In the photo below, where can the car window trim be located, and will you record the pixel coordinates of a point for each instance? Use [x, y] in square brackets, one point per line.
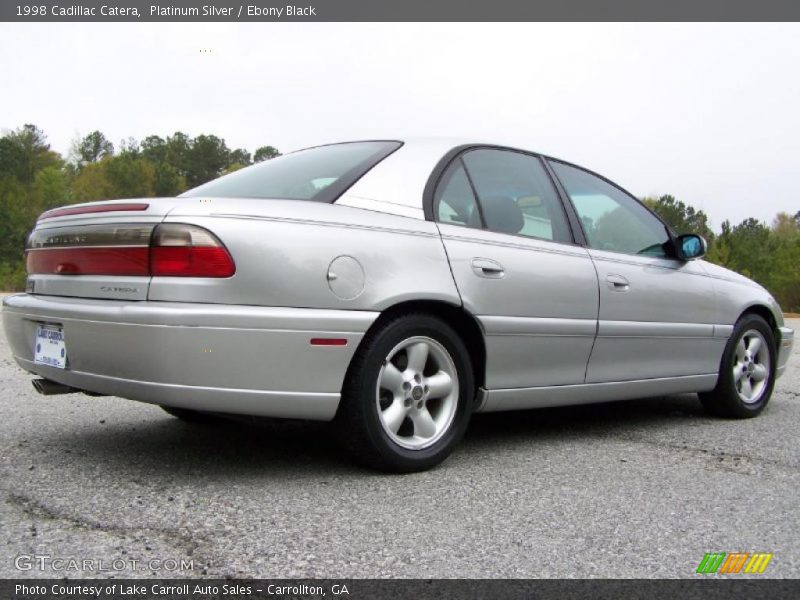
[478, 204]
[572, 215]
[458, 152]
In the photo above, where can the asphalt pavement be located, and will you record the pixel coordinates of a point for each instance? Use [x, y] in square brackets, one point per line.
[629, 489]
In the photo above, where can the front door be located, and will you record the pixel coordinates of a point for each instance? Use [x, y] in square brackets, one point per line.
[656, 312]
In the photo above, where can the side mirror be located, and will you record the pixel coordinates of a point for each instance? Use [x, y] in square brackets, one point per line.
[690, 246]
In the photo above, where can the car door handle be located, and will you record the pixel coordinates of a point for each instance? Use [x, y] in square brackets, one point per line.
[484, 267]
[617, 283]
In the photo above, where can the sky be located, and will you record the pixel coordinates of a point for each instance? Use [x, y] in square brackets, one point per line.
[709, 113]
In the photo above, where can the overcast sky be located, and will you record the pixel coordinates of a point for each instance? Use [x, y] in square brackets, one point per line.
[706, 112]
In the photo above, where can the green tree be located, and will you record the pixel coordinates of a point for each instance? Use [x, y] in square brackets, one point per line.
[92, 148]
[92, 183]
[208, 158]
[719, 249]
[123, 176]
[10, 158]
[750, 245]
[681, 217]
[24, 151]
[130, 176]
[154, 148]
[233, 167]
[14, 218]
[265, 153]
[784, 277]
[786, 227]
[15, 222]
[239, 157]
[31, 178]
[50, 189]
[176, 153]
[168, 182]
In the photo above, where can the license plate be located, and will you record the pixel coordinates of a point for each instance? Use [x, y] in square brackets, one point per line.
[49, 347]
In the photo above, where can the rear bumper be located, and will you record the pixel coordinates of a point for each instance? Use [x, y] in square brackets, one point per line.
[784, 349]
[234, 359]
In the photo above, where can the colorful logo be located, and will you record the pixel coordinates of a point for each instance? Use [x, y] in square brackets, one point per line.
[734, 562]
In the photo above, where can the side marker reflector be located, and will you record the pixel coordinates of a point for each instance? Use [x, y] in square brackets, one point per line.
[329, 341]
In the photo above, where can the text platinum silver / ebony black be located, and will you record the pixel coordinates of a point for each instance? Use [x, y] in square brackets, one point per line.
[393, 288]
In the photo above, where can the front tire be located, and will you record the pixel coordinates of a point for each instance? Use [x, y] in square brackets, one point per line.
[747, 371]
[408, 395]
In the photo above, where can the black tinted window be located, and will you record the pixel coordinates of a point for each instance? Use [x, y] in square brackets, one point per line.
[321, 173]
[516, 195]
[612, 219]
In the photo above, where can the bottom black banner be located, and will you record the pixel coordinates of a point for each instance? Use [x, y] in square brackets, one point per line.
[358, 589]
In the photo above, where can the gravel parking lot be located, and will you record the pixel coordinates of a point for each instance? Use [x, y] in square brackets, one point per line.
[629, 489]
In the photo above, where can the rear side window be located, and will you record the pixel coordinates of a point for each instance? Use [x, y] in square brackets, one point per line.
[321, 174]
[454, 200]
[516, 195]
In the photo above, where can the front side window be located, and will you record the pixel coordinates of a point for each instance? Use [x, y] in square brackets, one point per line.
[612, 220]
[321, 174]
[516, 195]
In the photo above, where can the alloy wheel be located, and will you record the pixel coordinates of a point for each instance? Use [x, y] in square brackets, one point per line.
[417, 392]
[751, 367]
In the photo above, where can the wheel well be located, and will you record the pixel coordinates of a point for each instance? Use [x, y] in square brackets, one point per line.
[464, 324]
[766, 314]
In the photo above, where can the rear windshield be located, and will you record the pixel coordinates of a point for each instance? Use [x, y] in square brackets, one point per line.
[321, 174]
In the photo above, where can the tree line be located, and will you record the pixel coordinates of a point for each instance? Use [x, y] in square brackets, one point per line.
[34, 178]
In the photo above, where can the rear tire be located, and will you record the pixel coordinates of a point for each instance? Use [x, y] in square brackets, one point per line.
[747, 371]
[190, 416]
[408, 395]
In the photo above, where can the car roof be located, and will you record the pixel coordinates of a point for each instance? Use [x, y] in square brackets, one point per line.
[397, 184]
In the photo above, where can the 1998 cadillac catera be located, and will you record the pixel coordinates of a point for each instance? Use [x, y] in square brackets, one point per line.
[393, 288]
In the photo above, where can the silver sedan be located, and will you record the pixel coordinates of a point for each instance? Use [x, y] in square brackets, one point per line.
[394, 288]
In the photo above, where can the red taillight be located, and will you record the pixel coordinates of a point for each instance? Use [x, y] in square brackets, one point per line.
[168, 250]
[89, 261]
[188, 251]
[120, 249]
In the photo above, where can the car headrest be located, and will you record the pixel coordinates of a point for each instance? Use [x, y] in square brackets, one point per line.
[503, 214]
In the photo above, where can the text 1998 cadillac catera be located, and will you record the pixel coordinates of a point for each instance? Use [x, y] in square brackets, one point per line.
[393, 288]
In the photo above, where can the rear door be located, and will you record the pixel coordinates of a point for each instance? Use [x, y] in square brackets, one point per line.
[656, 312]
[516, 267]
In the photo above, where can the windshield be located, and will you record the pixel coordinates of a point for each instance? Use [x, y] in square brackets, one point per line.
[321, 174]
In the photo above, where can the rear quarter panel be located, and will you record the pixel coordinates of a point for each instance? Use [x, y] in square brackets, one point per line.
[283, 251]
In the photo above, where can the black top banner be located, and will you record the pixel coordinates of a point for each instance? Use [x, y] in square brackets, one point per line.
[399, 10]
